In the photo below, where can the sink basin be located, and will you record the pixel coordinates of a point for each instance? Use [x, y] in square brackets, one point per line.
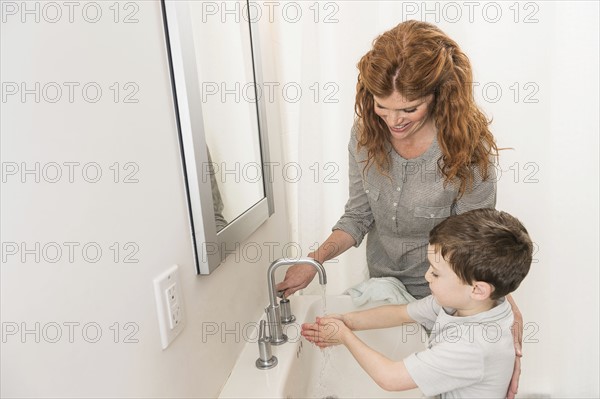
[306, 371]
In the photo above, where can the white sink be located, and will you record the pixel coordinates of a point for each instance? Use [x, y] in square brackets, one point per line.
[305, 371]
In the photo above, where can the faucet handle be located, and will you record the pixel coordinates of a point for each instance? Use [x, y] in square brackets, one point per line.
[280, 294]
[265, 360]
[286, 312]
[262, 331]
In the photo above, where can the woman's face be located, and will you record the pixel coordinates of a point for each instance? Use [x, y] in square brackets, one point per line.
[405, 119]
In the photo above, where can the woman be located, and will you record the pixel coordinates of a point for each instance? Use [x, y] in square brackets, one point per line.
[420, 151]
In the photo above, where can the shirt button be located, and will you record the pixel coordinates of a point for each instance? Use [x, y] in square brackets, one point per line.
[432, 215]
[397, 188]
[395, 204]
[393, 217]
[367, 191]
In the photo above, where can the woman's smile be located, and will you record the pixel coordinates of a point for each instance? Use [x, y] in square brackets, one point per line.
[403, 118]
[400, 128]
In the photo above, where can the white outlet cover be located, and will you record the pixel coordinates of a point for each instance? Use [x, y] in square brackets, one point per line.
[161, 284]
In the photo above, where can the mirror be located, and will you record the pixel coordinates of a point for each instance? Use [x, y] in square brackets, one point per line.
[216, 76]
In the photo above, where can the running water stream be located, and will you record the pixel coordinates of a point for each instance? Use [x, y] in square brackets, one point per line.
[326, 352]
[324, 298]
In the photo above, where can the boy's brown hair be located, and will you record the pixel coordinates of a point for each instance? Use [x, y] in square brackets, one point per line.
[485, 245]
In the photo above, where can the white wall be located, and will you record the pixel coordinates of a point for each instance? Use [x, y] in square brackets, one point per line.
[555, 143]
[150, 213]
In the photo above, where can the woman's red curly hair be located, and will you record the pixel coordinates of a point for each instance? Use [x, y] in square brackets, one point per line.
[417, 59]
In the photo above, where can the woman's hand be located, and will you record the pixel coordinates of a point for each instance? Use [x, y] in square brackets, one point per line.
[326, 331]
[299, 276]
[296, 278]
[517, 332]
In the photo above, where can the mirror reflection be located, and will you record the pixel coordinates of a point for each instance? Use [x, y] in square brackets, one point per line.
[229, 112]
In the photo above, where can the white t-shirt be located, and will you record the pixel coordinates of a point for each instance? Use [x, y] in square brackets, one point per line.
[466, 357]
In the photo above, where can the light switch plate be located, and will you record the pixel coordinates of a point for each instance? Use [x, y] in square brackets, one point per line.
[169, 305]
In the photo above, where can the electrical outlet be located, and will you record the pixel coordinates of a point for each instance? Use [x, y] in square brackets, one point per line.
[173, 306]
[169, 305]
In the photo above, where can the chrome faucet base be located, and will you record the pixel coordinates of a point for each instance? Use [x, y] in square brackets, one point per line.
[281, 340]
[265, 360]
[266, 364]
[276, 335]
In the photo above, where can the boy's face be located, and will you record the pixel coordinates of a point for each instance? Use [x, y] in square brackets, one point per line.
[447, 289]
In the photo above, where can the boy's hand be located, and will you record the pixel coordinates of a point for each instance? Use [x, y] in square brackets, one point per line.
[326, 331]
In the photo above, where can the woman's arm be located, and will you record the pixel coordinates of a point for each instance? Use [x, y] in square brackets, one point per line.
[482, 194]
[299, 276]
[517, 331]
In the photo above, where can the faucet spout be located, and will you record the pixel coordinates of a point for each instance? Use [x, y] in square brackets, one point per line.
[277, 336]
[287, 262]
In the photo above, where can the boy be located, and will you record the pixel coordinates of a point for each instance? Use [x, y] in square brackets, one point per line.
[476, 259]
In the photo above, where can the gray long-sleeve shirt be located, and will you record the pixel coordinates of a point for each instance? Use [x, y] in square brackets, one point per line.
[398, 213]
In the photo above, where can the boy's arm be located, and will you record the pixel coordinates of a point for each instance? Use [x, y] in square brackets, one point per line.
[326, 334]
[388, 374]
[380, 317]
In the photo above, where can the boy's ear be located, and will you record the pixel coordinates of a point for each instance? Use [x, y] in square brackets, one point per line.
[482, 290]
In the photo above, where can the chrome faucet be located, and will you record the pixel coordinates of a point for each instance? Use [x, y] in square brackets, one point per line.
[277, 337]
